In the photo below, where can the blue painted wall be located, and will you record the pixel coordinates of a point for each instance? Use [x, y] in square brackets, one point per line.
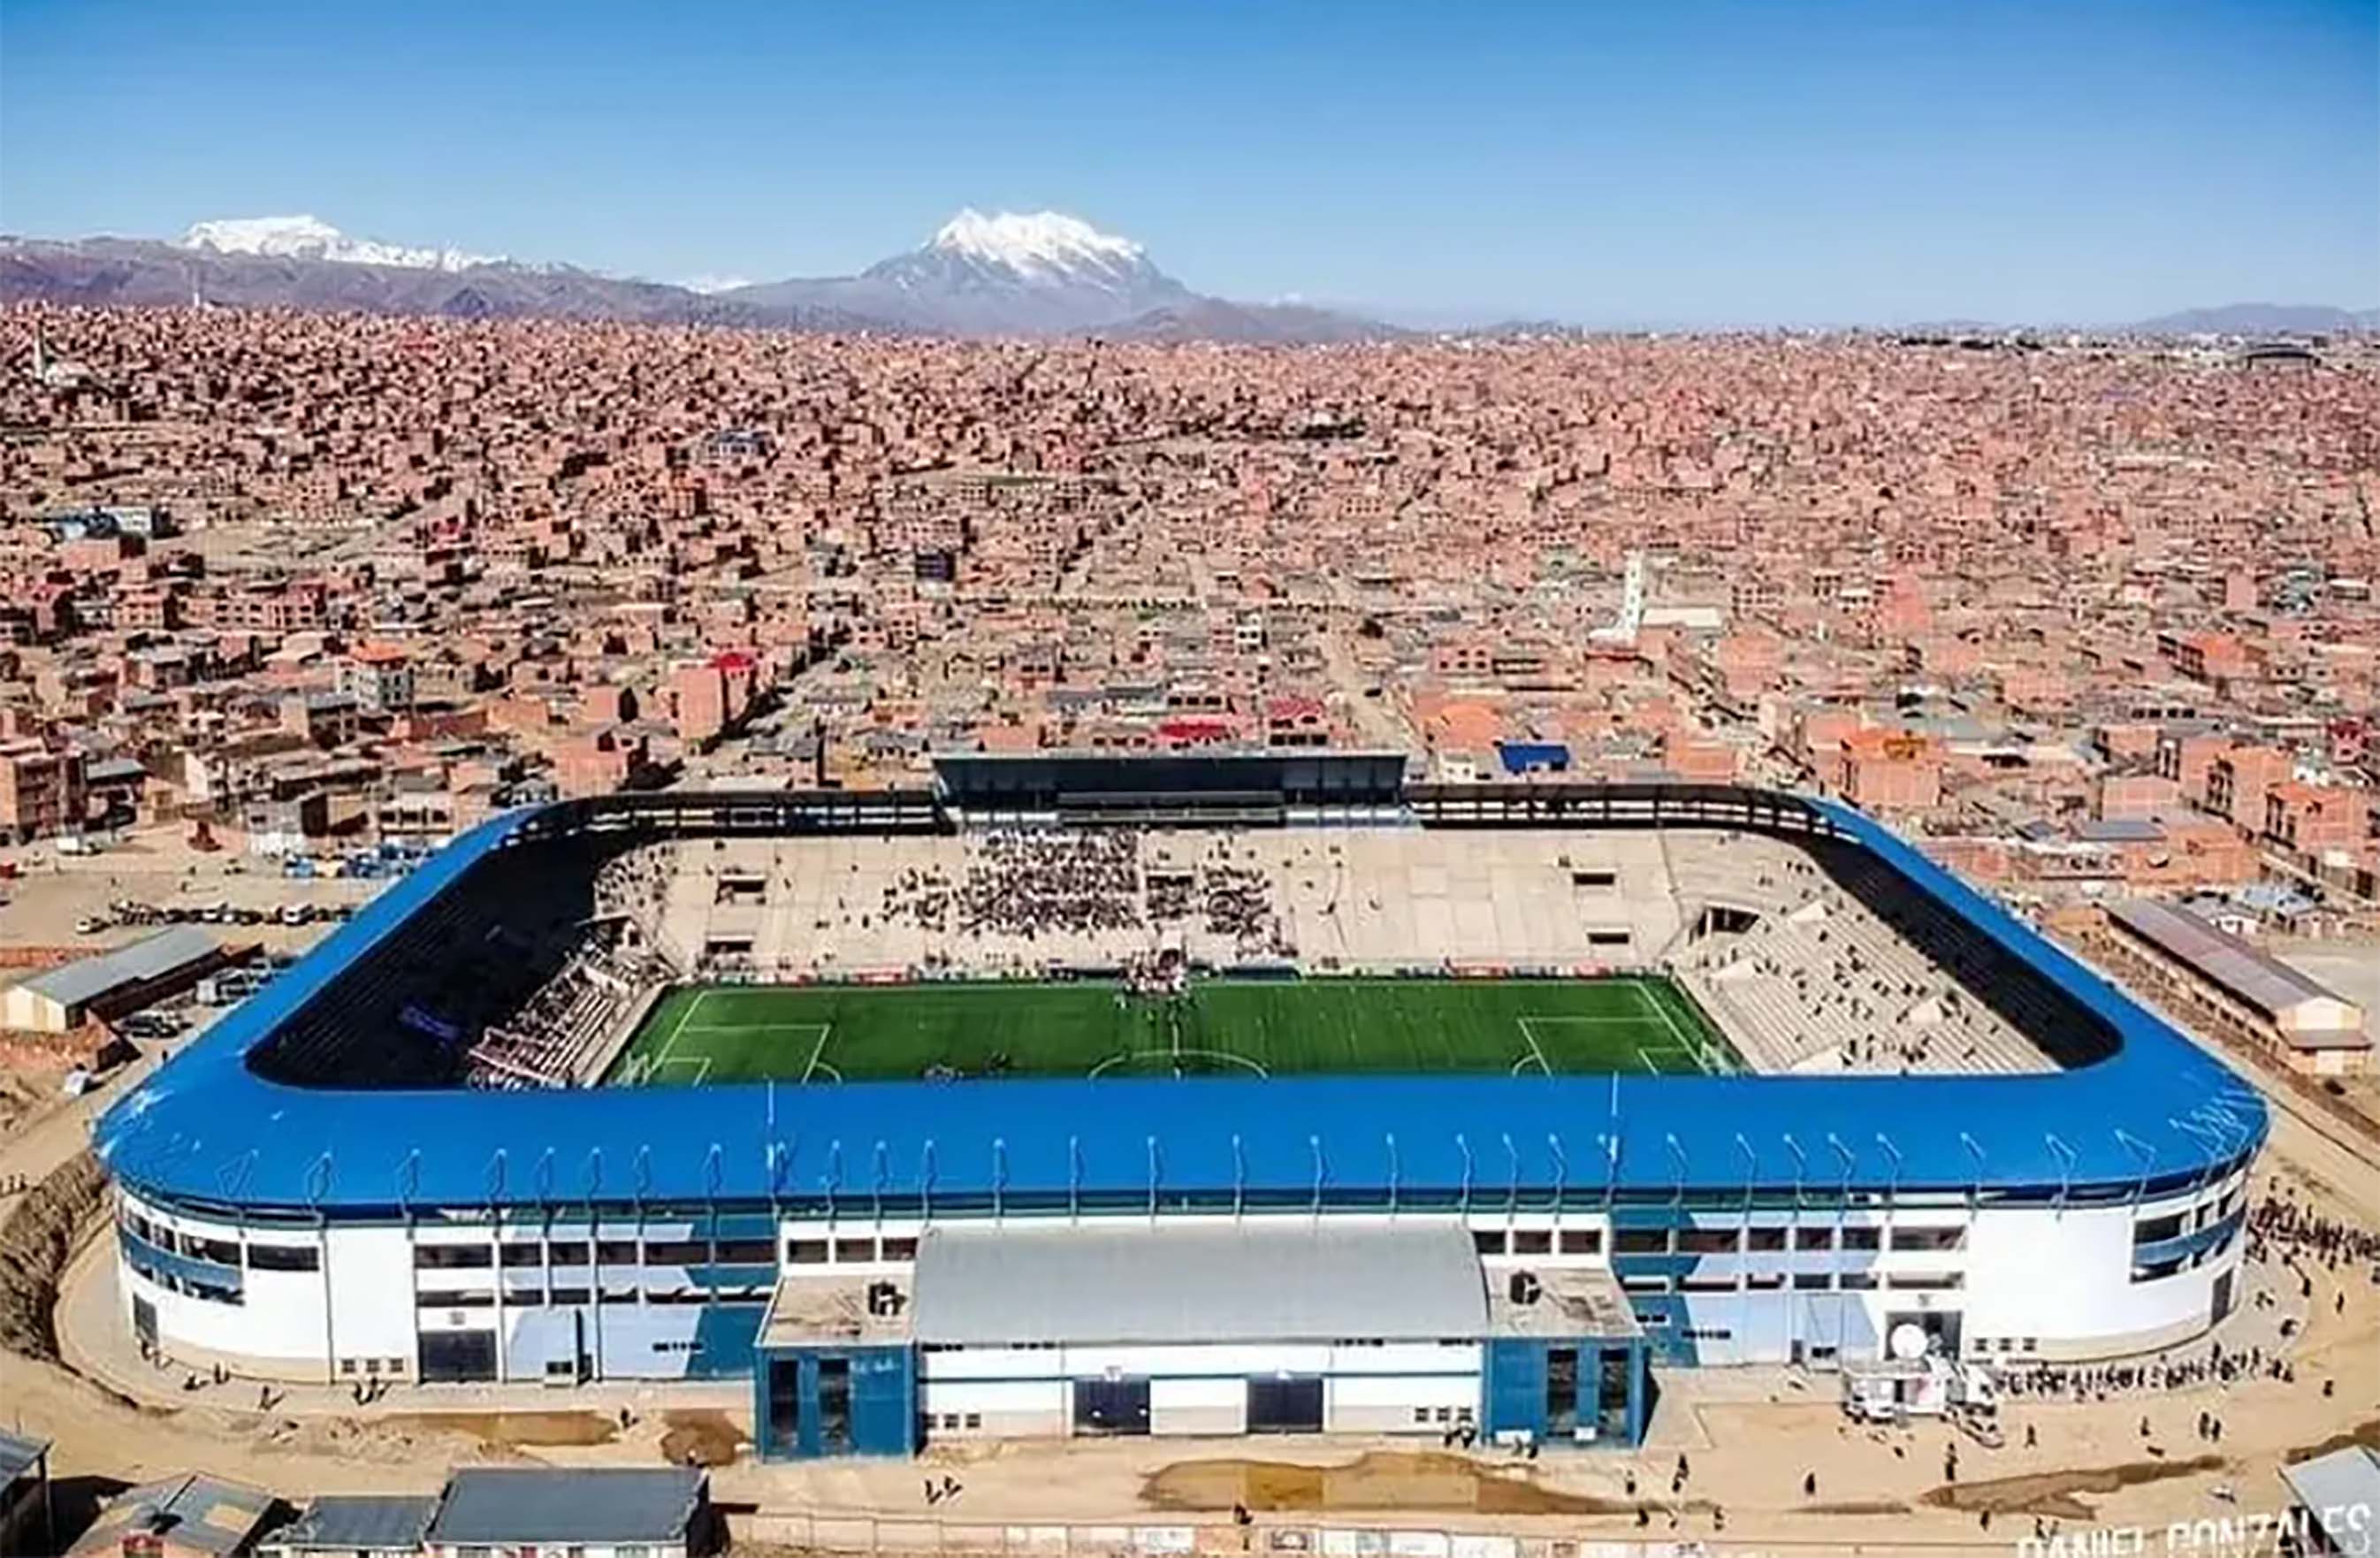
[883, 1402]
[1513, 1386]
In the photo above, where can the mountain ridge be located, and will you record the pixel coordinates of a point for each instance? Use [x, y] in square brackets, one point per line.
[1039, 274]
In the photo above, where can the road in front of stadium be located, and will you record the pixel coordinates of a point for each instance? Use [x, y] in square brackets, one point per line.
[1751, 1437]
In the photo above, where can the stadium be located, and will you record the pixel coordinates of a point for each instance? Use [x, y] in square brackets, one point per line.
[1082, 1094]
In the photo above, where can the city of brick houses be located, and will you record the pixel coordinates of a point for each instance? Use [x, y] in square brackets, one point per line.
[2080, 618]
[293, 600]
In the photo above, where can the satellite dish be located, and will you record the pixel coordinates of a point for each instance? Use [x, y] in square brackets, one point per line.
[1907, 1342]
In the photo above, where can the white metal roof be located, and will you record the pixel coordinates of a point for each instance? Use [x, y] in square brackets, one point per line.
[1272, 1279]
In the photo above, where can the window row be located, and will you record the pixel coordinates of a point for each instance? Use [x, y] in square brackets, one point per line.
[1538, 1241]
[606, 1253]
[1801, 1282]
[224, 1252]
[851, 1251]
[188, 1286]
[567, 1297]
[1770, 1240]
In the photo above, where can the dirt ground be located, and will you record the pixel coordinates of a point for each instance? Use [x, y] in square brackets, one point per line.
[51, 892]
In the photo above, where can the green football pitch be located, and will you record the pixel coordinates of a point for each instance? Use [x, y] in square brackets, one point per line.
[1253, 1027]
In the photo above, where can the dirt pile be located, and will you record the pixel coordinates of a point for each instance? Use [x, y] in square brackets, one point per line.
[38, 1237]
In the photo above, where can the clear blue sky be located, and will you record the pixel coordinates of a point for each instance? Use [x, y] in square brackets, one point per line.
[1653, 160]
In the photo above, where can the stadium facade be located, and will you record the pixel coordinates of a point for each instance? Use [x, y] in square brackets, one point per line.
[891, 1262]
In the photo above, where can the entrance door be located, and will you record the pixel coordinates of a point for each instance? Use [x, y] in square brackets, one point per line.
[782, 1433]
[1104, 1407]
[1561, 1392]
[834, 1406]
[457, 1356]
[1292, 1405]
[144, 1322]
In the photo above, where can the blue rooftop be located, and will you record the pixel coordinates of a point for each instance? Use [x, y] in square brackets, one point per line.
[208, 1129]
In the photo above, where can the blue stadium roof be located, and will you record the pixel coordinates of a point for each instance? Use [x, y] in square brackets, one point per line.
[208, 1129]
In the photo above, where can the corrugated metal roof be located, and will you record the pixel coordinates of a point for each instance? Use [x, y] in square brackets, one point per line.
[206, 1126]
[17, 1455]
[489, 1507]
[362, 1522]
[1259, 1282]
[78, 983]
[198, 1512]
[2273, 987]
[2340, 1490]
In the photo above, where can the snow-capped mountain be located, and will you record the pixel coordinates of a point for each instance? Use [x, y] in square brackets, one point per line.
[310, 238]
[1037, 273]
[1034, 273]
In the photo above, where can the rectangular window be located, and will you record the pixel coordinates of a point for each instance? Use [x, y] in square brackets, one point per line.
[677, 1252]
[1859, 1282]
[1706, 1241]
[615, 1252]
[750, 1252]
[1641, 1241]
[567, 1252]
[1862, 1238]
[2156, 1230]
[1764, 1281]
[1644, 1285]
[1764, 1240]
[1927, 1282]
[1582, 1241]
[452, 1257]
[805, 1252]
[1932, 1239]
[1814, 1238]
[221, 1251]
[570, 1296]
[284, 1258]
[1487, 1241]
[854, 1252]
[1706, 1284]
[455, 1299]
[516, 1256]
[1533, 1241]
[1812, 1282]
[900, 1248]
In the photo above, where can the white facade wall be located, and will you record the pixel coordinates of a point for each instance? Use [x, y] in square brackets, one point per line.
[2030, 1283]
[1191, 1407]
[1400, 1403]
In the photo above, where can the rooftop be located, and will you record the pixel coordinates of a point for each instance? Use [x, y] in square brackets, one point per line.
[490, 1507]
[361, 1522]
[80, 982]
[2272, 987]
[1226, 1282]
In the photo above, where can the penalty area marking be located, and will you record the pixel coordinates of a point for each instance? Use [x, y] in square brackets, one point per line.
[658, 1071]
[1537, 1055]
[817, 1049]
[1174, 1057]
[1688, 1047]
